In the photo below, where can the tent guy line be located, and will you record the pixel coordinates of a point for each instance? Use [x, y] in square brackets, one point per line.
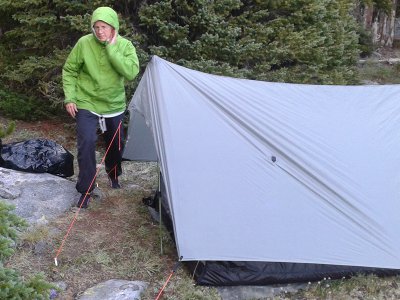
[118, 131]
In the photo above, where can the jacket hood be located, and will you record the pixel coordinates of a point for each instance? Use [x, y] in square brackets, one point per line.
[105, 14]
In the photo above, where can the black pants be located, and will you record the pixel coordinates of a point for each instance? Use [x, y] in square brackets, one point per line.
[86, 130]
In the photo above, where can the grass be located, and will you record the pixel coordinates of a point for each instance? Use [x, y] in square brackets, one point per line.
[34, 235]
[358, 287]
[379, 73]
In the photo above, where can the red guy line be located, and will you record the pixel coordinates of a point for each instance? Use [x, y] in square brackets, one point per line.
[87, 193]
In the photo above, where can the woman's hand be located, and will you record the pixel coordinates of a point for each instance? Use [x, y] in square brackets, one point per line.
[71, 109]
[113, 38]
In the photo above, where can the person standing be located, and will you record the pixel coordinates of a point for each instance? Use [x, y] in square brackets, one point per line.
[93, 81]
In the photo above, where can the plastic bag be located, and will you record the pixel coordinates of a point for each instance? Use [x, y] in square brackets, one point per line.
[38, 156]
[1, 158]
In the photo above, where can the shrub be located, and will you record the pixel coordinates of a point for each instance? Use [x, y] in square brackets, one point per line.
[22, 107]
[304, 41]
[12, 286]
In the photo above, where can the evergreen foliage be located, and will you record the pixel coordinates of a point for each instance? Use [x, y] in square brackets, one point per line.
[9, 223]
[21, 107]
[307, 41]
[37, 44]
[6, 131]
[12, 286]
[310, 41]
[37, 37]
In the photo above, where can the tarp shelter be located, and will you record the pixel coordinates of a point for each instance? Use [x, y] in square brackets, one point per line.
[286, 174]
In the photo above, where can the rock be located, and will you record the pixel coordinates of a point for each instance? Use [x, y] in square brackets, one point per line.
[97, 195]
[61, 285]
[38, 198]
[115, 289]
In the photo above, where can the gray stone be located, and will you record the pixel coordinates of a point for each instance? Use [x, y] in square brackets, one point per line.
[61, 285]
[38, 198]
[115, 289]
[97, 195]
[9, 193]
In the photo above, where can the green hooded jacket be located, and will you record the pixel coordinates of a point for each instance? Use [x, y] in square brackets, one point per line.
[94, 72]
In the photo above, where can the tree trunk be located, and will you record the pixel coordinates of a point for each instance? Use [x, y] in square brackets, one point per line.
[382, 26]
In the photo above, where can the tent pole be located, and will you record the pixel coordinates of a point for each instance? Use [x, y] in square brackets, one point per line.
[159, 210]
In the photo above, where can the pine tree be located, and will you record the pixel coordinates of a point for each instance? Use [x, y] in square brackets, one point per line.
[313, 41]
[12, 286]
[37, 38]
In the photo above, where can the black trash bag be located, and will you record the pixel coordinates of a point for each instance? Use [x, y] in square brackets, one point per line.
[38, 156]
[1, 158]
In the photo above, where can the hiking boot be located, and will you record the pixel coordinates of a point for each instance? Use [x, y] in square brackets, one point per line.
[114, 182]
[84, 201]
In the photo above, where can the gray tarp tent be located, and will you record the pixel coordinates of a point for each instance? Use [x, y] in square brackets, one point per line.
[273, 172]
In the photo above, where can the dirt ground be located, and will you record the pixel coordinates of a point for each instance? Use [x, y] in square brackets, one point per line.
[114, 238]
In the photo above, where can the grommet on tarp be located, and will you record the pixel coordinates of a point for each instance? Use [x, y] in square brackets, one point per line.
[273, 158]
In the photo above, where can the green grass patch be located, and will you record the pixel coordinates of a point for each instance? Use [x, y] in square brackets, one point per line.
[380, 73]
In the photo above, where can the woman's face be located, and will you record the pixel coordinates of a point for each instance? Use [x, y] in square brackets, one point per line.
[103, 31]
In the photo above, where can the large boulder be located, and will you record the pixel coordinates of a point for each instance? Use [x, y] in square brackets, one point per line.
[38, 198]
[115, 289]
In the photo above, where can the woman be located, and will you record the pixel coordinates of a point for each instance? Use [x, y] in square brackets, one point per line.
[93, 81]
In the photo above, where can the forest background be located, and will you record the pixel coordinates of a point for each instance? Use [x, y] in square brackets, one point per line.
[301, 41]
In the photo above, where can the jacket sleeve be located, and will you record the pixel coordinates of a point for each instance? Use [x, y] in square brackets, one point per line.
[124, 59]
[70, 73]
